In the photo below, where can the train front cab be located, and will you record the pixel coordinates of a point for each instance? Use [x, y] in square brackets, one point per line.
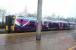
[10, 23]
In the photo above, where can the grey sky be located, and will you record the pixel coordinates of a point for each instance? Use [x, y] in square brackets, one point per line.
[64, 8]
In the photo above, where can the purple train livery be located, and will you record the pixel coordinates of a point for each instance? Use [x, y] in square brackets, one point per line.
[30, 24]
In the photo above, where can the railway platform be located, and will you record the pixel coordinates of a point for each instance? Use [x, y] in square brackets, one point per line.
[50, 40]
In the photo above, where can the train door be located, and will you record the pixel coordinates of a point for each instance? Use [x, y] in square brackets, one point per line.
[60, 25]
[45, 25]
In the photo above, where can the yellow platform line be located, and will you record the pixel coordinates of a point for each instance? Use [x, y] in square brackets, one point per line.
[72, 48]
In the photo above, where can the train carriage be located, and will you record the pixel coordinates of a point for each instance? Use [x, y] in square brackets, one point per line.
[30, 24]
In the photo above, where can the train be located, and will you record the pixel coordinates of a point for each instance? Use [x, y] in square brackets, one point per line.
[30, 24]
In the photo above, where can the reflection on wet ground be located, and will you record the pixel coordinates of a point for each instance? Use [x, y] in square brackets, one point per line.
[51, 40]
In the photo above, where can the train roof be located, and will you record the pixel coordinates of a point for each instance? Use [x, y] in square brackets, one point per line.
[72, 23]
[55, 21]
[31, 18]
[26, 18]
[34, 19]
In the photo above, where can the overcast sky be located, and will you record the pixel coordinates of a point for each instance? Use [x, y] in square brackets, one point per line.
[64, 8]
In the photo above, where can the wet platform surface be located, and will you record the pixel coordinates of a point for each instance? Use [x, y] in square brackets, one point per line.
[50, 40]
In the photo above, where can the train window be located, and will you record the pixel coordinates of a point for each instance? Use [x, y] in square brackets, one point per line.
[45, 22]
[32, 22]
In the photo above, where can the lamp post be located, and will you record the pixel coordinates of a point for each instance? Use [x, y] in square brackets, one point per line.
[39, 19]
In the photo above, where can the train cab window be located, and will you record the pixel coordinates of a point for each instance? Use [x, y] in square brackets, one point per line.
[32, 22]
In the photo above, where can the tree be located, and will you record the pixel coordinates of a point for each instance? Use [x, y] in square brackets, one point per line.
[32, 15]
[2, 14]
